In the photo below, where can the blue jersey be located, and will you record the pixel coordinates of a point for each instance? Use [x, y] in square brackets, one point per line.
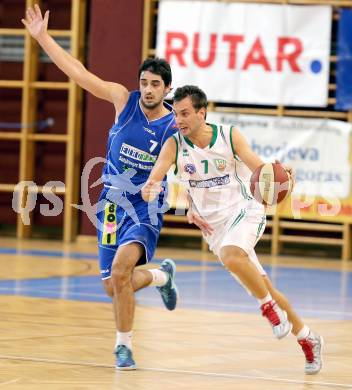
[123, 216]
[134, 143]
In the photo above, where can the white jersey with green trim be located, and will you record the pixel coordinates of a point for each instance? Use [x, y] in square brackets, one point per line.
[216, 179]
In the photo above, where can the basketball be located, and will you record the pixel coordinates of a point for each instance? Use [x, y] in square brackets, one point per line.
[270, 184]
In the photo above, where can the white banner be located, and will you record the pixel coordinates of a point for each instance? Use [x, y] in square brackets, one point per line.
[317, 149]
[248, 53]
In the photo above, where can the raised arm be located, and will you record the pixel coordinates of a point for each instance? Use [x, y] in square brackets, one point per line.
[37, 26]
[166, 159]
[244, 151]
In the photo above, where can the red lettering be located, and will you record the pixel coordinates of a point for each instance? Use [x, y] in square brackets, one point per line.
[291, 58]
[212, 51]
[346, 209]
[256, 56]
[178, 50]
[288, 51]
[233, 40]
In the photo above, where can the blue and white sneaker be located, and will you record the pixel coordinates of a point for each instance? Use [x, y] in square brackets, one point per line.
[124, 359]
[169, 291]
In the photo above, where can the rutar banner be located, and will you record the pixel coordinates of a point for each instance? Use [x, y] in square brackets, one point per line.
[248, 53]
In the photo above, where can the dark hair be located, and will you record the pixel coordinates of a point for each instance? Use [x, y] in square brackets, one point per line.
[157, 66]
[197, 96]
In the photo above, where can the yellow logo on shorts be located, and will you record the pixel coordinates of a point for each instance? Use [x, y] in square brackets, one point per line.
[110, 225]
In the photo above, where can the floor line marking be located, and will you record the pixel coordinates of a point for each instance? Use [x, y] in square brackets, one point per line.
[10, 382]
[188, 372]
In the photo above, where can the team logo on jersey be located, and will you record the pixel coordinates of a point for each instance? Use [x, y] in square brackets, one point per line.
[209, 183]
[190, 168]
[149, 131]
[137, 154]
[220, 164]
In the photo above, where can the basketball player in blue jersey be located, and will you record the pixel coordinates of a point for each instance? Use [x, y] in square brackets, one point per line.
[215, 163]
[127, 233]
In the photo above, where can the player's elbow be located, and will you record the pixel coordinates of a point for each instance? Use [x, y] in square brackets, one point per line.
[79, 74]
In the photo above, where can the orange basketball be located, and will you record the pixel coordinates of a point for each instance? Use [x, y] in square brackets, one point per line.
[270, 184]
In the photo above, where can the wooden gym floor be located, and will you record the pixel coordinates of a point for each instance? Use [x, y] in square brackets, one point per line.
[57, 330]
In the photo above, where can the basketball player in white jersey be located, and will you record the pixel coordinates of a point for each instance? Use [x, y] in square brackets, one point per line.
[214, 163]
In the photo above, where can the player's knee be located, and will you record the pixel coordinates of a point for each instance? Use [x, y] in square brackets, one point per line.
[233, 257]
[121, 275]
[108, 287]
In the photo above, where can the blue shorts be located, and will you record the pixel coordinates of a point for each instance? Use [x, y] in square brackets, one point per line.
[120, 225]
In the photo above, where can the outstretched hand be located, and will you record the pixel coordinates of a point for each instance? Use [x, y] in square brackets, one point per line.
[151, 190]
[34, 22]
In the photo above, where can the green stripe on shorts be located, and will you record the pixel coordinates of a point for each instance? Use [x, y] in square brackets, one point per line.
[238, 219]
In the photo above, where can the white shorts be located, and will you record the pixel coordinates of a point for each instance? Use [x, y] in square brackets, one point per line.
[243, 228]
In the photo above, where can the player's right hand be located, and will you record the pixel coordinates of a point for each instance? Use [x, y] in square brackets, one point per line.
[203, 225]
[34, 22]
[151, 190]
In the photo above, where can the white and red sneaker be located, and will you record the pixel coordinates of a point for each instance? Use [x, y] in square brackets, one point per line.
[277, 318]
[312, 346]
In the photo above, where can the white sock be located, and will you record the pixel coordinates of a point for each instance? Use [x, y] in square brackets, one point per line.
[303, 333]
[160, 278]
[124, 338]
[265, 300]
